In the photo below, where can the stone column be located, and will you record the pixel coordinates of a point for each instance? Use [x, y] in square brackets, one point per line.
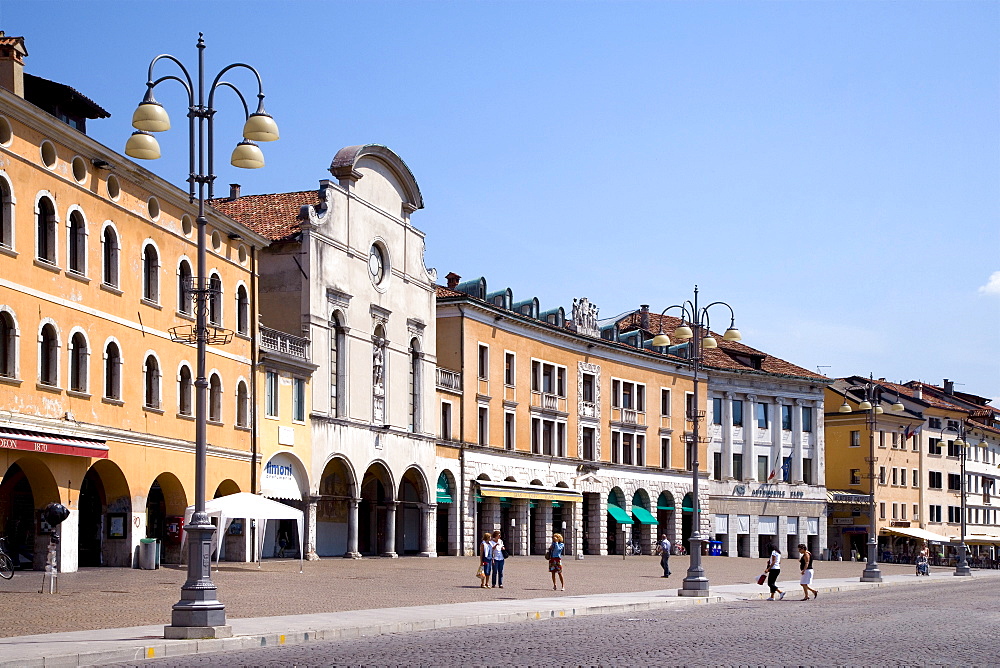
[774, 424]
[429, 547]
[519, 532]
[352, 529]
[389, 548]
[797, 441]
[749, 427]
[310, 529]
[543, 525]
[727, 435]
[577, 529]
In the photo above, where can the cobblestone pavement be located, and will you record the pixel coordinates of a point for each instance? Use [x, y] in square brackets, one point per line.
[935, 624]
[97, 598]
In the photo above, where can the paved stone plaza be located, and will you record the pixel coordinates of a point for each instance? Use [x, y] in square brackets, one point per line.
[927, 625]
[96, 598]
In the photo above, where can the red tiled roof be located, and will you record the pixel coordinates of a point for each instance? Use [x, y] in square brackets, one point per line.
[274, 216]
[448, 292]
[723, 356]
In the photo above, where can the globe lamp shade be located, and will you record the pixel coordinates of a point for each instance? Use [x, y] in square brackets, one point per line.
[898, 406]
[879, 410]
[959, 442]
[661, 340]
[247, 155]
[260, 127]
[844, 407]
[865, 405]
[143, 146]
[709, 342]
[732, 334]
[150, 116]
[683, 332]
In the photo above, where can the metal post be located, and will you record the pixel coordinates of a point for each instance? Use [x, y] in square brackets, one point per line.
[695, 583]
[871, 572]
[962, 565]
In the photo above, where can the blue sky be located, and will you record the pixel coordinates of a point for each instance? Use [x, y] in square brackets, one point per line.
[830, 169]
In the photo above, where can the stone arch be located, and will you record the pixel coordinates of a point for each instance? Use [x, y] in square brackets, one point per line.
[447, 539]
[617, 525]
[666, 515]
[26, 486]
[412, 499]
[165, 504]
[226, 487]
[377, 504]
[105, 506]
[338, 497]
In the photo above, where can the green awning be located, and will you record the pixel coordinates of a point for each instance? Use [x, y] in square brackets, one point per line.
[658, 507]
[619, 515]
[643, 515]
[687, 509]
[443, 493]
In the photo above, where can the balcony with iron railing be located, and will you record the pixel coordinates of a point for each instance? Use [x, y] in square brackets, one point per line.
[287, 344]
[449, 380]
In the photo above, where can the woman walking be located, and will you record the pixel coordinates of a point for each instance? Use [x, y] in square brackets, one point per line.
[773, 571]
[486, 559]
[498, 559]
[554, 554]
[806, 566]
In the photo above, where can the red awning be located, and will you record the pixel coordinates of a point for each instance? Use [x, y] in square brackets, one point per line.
[53, 444]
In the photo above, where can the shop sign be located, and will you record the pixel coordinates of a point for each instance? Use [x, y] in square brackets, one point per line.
[767, 491]
[52, 444]
[840, 521]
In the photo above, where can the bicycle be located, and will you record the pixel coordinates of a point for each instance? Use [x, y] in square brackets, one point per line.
[6, 564]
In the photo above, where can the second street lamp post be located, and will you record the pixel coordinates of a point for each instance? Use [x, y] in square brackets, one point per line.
[871, 404]
[199, 614]
[962, 442]
[695, 326]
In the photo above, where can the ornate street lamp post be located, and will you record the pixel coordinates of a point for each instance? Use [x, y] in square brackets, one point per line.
[871, 404]
[199, 614]
[962, 442]
[695, 326]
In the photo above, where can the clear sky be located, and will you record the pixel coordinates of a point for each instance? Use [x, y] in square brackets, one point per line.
[830, 169]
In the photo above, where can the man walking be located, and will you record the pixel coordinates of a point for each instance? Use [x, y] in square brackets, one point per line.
[663, 549]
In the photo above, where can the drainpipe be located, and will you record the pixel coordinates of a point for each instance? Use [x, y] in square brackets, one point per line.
[254, 354]
[461, 438]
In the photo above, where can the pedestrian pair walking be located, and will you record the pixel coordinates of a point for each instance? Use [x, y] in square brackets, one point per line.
[773, 570]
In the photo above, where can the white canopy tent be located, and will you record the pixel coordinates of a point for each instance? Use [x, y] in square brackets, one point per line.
[244, 505]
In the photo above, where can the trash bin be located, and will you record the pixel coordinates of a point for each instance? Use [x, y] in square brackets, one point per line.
[148, 554]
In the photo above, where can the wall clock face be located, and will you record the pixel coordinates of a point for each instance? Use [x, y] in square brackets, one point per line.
[376, 264]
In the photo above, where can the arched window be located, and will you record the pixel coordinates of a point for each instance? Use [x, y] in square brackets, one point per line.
[79, 357]
[184, 285]
[215, 300]
[46, 231]
[242, 405]
[150, 274]
[6, 216]
[151, 374]
[109, 257]
[8, 346]
[48, 356]
[416, 380]
[77, 244]
[113, 372]
[184, 391]
[338, 368]
[215, 398]
[242, 310]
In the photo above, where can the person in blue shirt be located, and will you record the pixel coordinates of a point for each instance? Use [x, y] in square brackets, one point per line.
[554, 555]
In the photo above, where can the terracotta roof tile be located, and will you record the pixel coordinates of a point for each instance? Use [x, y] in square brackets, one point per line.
[725, 356]
[274, 216]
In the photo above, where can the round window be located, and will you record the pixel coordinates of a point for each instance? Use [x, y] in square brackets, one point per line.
[114, 188]
[376, 264]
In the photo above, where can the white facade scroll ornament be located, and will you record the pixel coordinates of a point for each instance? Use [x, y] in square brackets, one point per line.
[585, 317]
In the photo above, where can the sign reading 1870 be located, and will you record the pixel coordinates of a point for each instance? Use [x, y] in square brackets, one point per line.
[768, 491]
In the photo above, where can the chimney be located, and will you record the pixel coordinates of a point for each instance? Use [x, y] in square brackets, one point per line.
[949, 386]
[234, 191]
[453, 280]
[919, 391]
[12, 53]
[644, 316]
